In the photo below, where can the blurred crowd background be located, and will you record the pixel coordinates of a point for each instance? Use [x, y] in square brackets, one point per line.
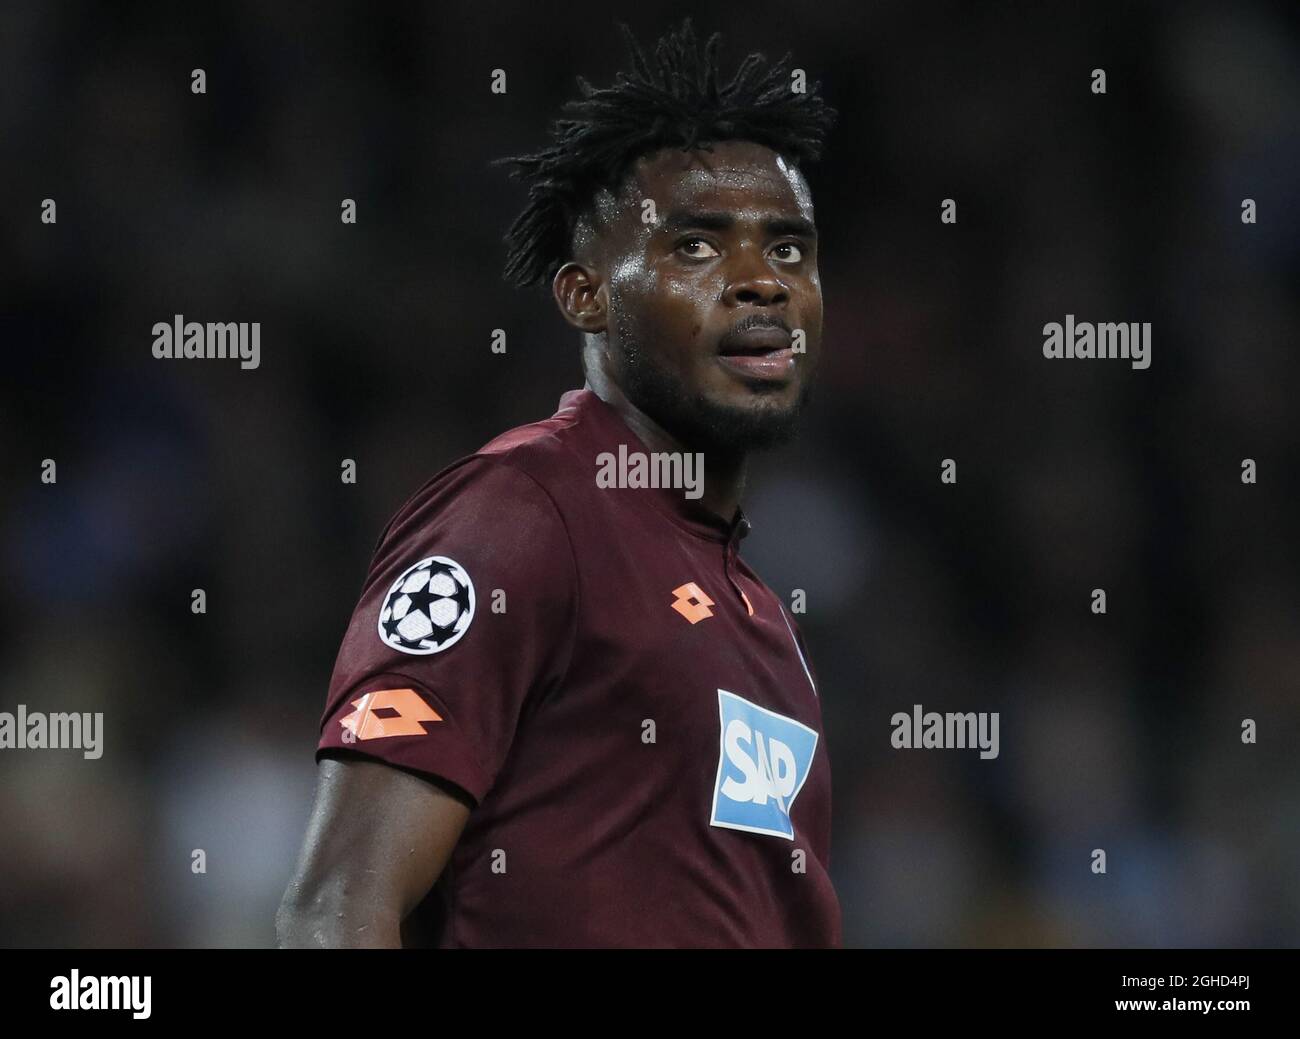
[1120, 732]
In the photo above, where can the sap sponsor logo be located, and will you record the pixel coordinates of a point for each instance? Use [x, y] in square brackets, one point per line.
[73, 992]
[763, 760]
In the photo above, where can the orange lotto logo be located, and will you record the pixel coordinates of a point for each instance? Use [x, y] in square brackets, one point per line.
[692, 603]
[402, 712]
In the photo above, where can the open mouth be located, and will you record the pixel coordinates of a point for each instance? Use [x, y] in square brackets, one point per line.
[758, 353]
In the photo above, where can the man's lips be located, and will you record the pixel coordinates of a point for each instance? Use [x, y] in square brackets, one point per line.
[755, 340]
[758, 353]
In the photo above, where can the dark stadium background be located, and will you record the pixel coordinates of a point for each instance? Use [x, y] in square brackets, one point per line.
[1119, 732]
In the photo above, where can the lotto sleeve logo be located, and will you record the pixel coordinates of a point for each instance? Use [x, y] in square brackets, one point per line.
[387, 712]
[763, 760]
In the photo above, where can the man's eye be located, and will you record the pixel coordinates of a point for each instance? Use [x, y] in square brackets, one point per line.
[694, 243]
[793, 254]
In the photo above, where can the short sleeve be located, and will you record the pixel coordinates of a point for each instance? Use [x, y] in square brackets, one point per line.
[468, 612]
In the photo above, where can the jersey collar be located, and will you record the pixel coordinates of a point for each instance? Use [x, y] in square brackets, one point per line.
[606, 430]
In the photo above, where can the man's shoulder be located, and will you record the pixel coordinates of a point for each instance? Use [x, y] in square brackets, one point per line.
[523, 473]
[543, 451]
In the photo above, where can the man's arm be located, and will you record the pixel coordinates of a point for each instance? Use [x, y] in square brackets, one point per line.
[377, 839]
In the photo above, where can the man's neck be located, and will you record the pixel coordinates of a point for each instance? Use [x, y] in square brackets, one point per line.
[724, 477]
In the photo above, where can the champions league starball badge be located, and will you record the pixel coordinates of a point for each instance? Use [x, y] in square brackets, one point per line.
[428, 608]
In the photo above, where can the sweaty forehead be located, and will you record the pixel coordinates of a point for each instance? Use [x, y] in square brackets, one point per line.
[733, 172]
[735, 175]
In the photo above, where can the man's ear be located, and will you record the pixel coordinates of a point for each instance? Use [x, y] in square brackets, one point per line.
[581, 295]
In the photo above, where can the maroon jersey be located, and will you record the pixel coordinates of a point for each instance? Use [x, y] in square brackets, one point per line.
[629, 707]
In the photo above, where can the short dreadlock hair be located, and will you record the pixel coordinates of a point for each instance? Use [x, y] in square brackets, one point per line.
[673, 98]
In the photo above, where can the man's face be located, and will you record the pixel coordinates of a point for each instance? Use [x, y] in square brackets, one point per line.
[705, 301]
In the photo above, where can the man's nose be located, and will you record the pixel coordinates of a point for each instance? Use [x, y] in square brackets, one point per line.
[753, 281]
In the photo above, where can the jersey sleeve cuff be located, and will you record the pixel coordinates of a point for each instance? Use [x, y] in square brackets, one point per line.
[441, 750]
